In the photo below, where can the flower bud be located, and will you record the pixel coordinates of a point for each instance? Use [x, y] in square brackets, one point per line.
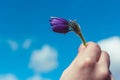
[59, 25]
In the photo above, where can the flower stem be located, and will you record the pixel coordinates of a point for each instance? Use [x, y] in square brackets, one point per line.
[76, 28]
[82, 39]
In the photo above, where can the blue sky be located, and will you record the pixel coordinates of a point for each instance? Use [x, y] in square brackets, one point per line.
[25, 28]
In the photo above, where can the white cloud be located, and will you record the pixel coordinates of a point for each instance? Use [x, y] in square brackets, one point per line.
[44, 60]
[13, 44]
[112, 46]
[37, 77]
[8, 77]
[27, 43]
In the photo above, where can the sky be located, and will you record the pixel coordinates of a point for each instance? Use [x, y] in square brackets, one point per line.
[29, 50]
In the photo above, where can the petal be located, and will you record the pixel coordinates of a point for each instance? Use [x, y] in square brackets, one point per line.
[60, 30]
[58, 21]
[59, 25]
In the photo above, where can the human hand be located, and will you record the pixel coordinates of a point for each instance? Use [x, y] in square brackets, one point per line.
[90, 64]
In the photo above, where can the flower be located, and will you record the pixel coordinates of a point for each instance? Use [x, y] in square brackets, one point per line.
[59, 25]
[62, 25]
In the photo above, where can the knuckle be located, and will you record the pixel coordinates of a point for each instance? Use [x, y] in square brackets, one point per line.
[95, 46]
[87, 62]
[92, 43]
[107, 56]
[106, 53]
[104, 73]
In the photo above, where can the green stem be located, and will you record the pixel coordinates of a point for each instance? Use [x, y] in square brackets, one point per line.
[76, 28]
[82, 38]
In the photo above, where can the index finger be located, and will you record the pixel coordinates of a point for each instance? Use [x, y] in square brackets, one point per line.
[92, 52]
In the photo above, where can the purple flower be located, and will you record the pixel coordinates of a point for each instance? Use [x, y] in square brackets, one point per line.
[59, 25]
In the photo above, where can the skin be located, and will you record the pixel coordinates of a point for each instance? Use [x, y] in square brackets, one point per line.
[91, 63]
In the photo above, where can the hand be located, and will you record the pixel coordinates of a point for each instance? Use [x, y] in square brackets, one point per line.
[90, 64]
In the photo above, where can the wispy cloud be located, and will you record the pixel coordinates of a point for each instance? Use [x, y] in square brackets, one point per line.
[26, 44]
[44, 60]
[8, 77]
[13, 44]
[37, 77]
[112, 46]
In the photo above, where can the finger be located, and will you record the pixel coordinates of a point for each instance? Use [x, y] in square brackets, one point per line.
[104, 60]
[92, 52]
[81, 49]
[110, 77]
